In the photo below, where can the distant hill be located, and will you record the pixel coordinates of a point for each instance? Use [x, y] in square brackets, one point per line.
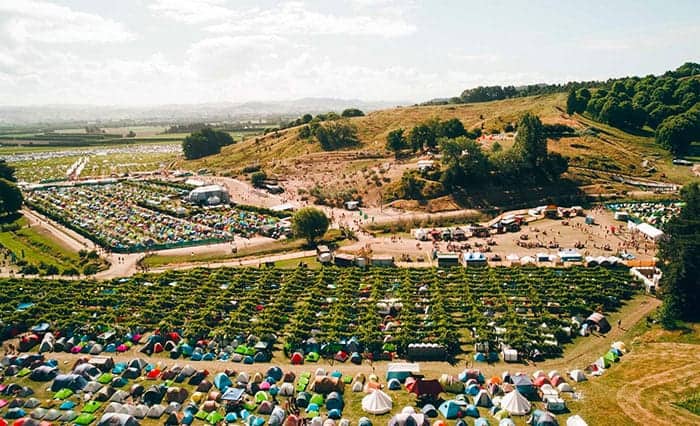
[272, 111]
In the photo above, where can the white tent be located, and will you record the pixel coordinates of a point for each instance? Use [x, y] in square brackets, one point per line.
[576, 420]
[650, 231]
[577, 375]
[377, 402]
[515, 403]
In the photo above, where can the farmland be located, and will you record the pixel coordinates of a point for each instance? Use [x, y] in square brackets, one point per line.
[524, 308]
[131, 216]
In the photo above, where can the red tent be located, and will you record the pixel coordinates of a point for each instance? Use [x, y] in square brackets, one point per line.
[341, 356]
[424, 387]
[157, 348]
[297, 358]
[541, 380]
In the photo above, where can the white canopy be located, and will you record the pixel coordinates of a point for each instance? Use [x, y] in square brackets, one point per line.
[650, 231]
[516, 404]
[576, 420]
[377, 402]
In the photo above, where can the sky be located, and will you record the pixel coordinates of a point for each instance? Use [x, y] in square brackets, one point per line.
[154, 52]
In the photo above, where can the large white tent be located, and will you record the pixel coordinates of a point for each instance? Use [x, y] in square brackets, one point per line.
[649, 231]
[515, 403]
[377, 402]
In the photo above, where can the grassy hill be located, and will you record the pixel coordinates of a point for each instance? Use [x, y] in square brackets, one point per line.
[596, 152]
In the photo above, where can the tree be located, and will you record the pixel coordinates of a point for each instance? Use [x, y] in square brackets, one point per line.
[10, 197]
[395, 141]
[352, 112]
[420, 136]
[531, 143]
[310, 223]
[465, 162]
[680, 253]
[258, 178]
[7, 171]
[571, 102]
[678, 131]
[336, 135]
[205, 142]
[453, 128]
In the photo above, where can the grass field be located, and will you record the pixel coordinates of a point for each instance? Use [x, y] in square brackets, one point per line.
[37, 245]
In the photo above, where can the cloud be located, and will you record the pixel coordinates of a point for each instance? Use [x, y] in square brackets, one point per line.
[288, 18]
[44, 22]
[192, 11]
[226, 56]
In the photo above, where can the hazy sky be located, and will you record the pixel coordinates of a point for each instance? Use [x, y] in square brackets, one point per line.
[142, 52]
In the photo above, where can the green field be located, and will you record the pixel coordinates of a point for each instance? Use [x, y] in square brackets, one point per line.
[38, 247]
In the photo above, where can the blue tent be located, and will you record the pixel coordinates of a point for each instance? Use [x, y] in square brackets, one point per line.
[248, 360]
[473, 389]
[525, 386]
[275, 372]
[196, 356]
[222, 381]
[451, 409]
[334, 400]
[334, 414]
[472, 411]
[480, 357]
[394, 384]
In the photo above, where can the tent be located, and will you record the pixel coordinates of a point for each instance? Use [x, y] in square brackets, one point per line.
[43, 373]
[409, 419]
[424, 387]
[524, 385]
[599, 321]
[452, 409]
[482, 399]
[73, 382]
[297, 358]
[117, 419]
[515, 403]
[543, 418]
[394, 384]
[334, 400]
[377, 402]
[222, 381]
[576, 420]
[577, 375]
[325, 384]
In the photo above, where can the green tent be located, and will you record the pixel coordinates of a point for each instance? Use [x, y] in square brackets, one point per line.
[604, 362]
[214, 417]
[91, 407]
[84, 419]
[24, 372]
[316, 399]
[612, 356]
[312, 357]
[260, 396]
[63, 394]
[105, 378]
[201, 415]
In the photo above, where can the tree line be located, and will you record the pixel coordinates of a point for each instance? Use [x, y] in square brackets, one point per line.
[427, 134]
[497, 93]
[669, 104]
[679, 251]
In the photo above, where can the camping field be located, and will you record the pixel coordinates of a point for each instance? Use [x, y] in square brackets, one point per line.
[386, 309]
